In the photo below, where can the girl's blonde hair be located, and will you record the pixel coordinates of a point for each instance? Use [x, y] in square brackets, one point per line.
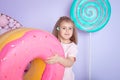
[67, 19]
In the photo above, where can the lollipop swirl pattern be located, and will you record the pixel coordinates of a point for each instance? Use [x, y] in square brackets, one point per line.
[7, 23]
[90, 15]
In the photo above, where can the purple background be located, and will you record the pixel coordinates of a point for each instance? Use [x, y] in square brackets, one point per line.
[104, 44]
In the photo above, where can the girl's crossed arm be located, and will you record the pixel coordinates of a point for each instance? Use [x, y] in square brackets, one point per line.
[66, 62]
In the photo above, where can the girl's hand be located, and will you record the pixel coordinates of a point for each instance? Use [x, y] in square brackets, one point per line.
[54, 59]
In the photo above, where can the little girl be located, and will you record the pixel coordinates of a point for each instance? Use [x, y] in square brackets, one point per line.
[66, 33]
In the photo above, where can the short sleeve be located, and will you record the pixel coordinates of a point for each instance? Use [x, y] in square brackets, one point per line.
[73, 50]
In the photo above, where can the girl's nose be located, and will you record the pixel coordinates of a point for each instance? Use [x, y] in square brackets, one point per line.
[67, 30]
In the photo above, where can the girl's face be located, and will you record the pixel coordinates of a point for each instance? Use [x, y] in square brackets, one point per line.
[66, 31]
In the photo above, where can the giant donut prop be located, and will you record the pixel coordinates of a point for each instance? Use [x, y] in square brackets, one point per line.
[21, 46]
[90, 15]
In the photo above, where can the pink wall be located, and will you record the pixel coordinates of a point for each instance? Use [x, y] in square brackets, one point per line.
[105, 53]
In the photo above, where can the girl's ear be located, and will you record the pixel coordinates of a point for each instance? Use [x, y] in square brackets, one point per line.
[58, 28]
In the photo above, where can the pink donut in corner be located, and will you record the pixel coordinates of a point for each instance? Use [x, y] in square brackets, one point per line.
[20, 46]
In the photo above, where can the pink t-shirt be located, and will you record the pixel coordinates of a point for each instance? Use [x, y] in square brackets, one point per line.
[69, 50]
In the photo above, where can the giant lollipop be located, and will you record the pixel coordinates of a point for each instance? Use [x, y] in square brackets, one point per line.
[90, 15]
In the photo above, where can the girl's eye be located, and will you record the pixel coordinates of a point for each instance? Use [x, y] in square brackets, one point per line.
[63, 28]
[70, 28]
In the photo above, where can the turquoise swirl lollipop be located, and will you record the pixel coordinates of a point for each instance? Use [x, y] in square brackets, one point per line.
[90, 15]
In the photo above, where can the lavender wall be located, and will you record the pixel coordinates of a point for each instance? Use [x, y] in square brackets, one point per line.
[104, 44]
[106, 48]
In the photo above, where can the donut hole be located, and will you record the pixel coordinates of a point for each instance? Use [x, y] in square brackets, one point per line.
[34, 70]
